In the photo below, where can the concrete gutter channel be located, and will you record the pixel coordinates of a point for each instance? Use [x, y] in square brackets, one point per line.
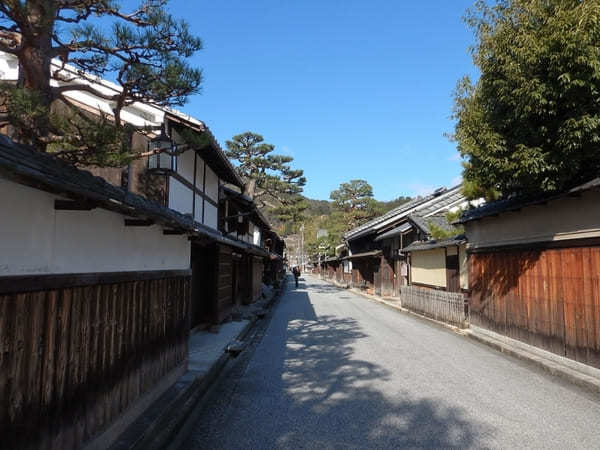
[579, 374]
[159, 424]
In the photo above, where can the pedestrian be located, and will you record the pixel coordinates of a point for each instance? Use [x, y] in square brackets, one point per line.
[296, 272]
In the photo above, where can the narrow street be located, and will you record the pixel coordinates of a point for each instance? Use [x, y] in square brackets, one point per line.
[334, 370]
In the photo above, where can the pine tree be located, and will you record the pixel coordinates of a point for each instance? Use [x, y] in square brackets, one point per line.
[144, 51]
[269, 178]
[355, 200]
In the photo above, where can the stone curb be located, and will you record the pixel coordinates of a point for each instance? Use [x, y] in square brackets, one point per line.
[166, 426]
[587, 382]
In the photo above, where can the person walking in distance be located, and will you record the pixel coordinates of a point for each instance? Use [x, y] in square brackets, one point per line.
[296, 272]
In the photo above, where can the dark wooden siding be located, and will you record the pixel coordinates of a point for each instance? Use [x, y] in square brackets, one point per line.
[73, 358]
[549, 298]
[257, 274]
[225, 300]
[387, 277]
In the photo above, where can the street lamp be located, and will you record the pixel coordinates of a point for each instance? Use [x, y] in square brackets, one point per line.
[164, 153]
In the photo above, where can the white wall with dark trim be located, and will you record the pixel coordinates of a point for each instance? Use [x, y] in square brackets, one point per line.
[37, 239]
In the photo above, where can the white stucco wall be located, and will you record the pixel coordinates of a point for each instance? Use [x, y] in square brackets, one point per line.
[9, 67]
[185, 166]
[37, 239]
[198, 210]
[212, 184]
[210, 215]
[428, 267]
[180, 197]
[256, 236]
[564, 218]
[199, 173]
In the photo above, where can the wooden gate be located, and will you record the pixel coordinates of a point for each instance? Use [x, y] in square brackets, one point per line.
[548, 298]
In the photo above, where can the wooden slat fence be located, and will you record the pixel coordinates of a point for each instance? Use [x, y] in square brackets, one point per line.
[548, 298]
[72, 358]
[444, 306]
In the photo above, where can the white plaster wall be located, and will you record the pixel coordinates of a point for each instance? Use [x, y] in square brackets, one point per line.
[212, 184]
[185, 166]
[199, 173]
[180, 197]
[9, 67]
[256, 236]
[210, 215]
[428, 267]
[198, 211]
[565, 218]
[37, 239]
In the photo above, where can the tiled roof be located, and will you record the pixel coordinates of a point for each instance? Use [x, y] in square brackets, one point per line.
[46, 172]
[432, 244]
[424, 223]
[394, 232]
[439, 199]
[394, 212]
[518, 202]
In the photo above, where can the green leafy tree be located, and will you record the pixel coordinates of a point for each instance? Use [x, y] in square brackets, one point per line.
[531, 123]
[355, 200]
[269, 178]
[143, 50]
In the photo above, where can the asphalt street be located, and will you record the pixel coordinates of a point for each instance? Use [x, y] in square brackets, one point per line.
[332, 369]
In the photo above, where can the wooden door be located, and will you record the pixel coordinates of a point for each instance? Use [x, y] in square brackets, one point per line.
[203, 307]
[452, 273]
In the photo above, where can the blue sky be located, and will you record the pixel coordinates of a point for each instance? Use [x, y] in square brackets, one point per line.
[350, 89]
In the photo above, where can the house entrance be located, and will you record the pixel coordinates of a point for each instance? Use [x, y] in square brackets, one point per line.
[203, 307]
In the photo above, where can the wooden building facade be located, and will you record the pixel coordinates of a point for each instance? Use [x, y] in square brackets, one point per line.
[376, 248]
[102, 277]
[534, 266]
[91, 319]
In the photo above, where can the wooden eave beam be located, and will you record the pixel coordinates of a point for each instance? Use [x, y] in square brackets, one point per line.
[73, 205]
[171, 232]
[138, 222]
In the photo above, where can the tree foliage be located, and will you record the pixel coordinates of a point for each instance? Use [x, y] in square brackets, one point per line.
[439, 233]
[355, 200]
[531, 122]
[144, 51]
[269, 178]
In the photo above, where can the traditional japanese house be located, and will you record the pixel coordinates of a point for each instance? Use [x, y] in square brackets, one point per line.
[439, 264]
[375, 248]
[262, 246]
[184, 169]
[534, 265]
[102, 277]
[94, 309]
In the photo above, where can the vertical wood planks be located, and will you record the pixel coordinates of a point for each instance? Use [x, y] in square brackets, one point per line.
[73, 359]
[548, 298]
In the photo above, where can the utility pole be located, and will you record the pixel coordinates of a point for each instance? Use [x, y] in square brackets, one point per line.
[302, 246]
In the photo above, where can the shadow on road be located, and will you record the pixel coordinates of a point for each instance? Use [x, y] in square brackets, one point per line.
[303, 387]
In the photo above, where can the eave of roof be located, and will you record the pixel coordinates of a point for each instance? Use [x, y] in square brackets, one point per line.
[48, 173]
[250, 203]
[364, 255]
[405, 227]
[433, 244]
[515, 203]
[223, 166]
[429, 203]
[332, 259]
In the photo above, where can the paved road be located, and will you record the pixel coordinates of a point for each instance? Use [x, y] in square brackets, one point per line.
[335, 370]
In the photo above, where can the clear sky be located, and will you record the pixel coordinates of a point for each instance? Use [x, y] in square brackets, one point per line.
[350, 89]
